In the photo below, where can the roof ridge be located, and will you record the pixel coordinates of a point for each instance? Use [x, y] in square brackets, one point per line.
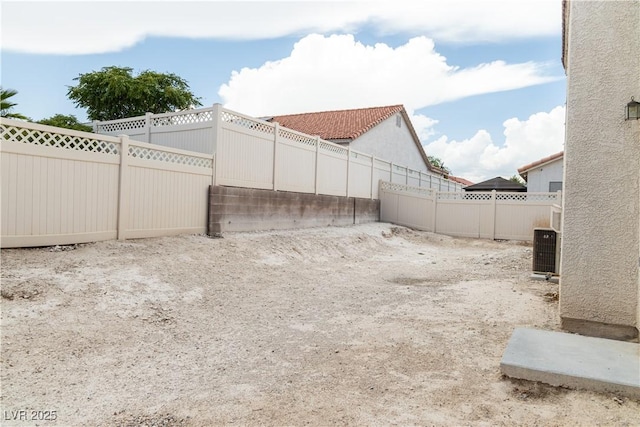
[393, 110]
[340, 111]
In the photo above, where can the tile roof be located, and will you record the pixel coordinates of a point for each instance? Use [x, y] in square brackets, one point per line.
[342, 124]
[460, 180]
[347, 125]
[542, 161]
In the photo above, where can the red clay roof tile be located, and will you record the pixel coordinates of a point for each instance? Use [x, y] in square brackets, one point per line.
[460, 180]
[547, 159]
[337, 125]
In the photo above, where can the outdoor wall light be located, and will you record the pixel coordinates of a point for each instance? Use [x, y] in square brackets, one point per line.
[633, 110]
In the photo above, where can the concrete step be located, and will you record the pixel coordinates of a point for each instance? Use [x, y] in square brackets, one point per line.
[573, 361]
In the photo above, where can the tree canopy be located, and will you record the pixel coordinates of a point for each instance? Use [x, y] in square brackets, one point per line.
[64, 121]
[6, 105]
[115, 93]
[435, 161]
[517, 179]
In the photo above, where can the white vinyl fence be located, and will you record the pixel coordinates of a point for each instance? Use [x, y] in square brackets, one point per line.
[488, 215]
[61, 186]
[254, 153]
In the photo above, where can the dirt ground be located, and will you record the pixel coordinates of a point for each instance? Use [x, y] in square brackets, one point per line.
[364, 325]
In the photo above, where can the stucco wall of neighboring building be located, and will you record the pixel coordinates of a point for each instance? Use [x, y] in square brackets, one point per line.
[599, 286]
[538, 179]
[392, 143]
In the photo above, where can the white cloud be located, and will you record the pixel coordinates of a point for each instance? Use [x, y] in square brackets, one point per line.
[337, 72]
[479, 158]
[96, 27]
[423, 125]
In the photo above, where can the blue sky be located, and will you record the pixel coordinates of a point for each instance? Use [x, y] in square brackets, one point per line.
[482, 80]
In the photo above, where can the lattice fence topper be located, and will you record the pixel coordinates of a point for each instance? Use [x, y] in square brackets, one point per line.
[333, 148]
[169, 157]
[245, 122]
[121, 125]
[58, 140]
[464, 196]
[182, 118]
[294, 136]
[527, 197]
[389, 186]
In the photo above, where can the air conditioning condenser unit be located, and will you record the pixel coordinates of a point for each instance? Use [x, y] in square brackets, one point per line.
[546, 251]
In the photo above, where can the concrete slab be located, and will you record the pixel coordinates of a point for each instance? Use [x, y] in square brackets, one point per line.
[552, 279]
[573, 361]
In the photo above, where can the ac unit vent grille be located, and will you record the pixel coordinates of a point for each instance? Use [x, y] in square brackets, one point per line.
[544, 250]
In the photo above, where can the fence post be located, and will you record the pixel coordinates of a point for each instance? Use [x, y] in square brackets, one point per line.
[420, 179]
[123, 187]
[315, 180]
[406, 175]
[493, 213]
[216, 130]
[391, 177]
[348, 167]
[94, 124]
[147, 127]
[276, 131]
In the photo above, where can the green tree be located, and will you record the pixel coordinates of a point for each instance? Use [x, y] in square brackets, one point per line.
[517, 179]
[6, 106]
[435, 161]
[115, 93]
[64, 121]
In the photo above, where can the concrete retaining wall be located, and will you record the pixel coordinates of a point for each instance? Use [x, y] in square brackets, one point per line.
[245, 209]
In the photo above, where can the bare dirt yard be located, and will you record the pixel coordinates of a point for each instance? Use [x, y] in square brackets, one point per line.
[364, 325]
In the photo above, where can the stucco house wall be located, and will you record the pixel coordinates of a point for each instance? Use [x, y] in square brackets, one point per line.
[600, 277]
[538, 179]
[389, 141]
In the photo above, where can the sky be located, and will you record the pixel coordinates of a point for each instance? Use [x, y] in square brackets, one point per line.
[482, 80]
